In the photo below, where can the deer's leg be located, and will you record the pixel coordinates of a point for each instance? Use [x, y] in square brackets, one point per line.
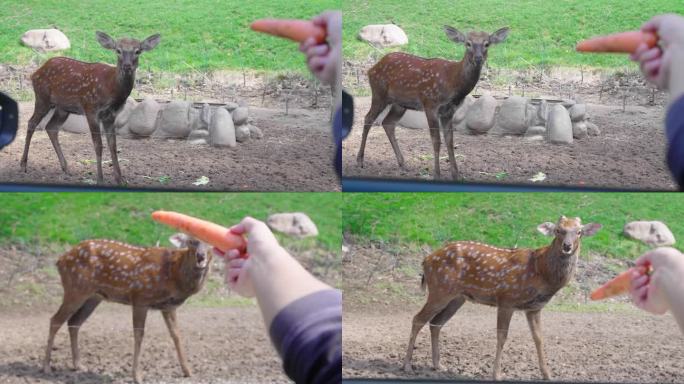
[436, 326]
[433, 124]
[75, 322]
[503, 320]
[389, 123]
[432, 307]
[377, 106]
[172, 325]
[41, 109]
[108, 124]
[94, 124]
[70, 304]
[534, 321]
[448, 129]
[52, 129]
[139, 316]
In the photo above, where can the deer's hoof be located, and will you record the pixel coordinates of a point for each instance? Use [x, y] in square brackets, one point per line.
[137, 380]
[407, 368]
[187, 372]
[47, 369]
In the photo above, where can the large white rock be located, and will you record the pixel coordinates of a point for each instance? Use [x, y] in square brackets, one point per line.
[46, 39]
[559, 125]
[383, 35]
[654, 233]
[413, 119]
[174, 120]
[221, 129]
[579, 130]
[512, 116]
[76, 124]
[294, 224]
[481, 114]
[242, 133]
[592, 129]
[462, 110]
[124, 115]
[240, 115]
[578, 112]
[143, 117]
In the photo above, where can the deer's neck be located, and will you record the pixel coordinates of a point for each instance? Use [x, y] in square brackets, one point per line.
[555, 267]
[191, 279]
[464, 76]
[124, 87]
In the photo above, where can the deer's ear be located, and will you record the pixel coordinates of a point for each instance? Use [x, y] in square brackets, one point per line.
[547, 228]
[590, 229]
[179, 240]
[454, 34]
[151, 42]
[498, 36]
[105, 41]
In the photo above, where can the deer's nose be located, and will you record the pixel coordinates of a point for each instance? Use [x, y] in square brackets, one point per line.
[567, 247]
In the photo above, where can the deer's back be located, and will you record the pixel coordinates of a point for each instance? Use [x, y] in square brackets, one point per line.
[120, 272]
[72, 84]
[406, 79]
[486, 275]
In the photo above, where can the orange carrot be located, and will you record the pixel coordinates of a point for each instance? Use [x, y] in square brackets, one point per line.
[624, 42]
[618, 285]
[211, 233]
[297, 30]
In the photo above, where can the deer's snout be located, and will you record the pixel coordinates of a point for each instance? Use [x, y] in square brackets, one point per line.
[567, 247]
[128, 67]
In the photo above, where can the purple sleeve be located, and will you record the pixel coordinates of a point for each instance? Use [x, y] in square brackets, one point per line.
[674, 128]
[308, 336]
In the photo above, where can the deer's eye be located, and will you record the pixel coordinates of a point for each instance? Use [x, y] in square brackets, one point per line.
[486, 44]
[118, 51]
[138, 51]
[468, 45]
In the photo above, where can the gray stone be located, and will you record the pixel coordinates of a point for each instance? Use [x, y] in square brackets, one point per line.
[383, 35]
[197, 141]
[243, 103]
[531, 116]
[120, 124]
[592, 129]
[231, 106]
[255, 132]
[577, 112]
[221, 129]
[579, 130]
[461, 111]
[537, 130]
[198, 134]
[173, 121]
[534, 138]
[567, 103]
[559, 125]
[46, 39]
[205, 116]
[242, 133]
[143, 117]
[413, 119]
[76, 124]
[240, 115]
[481, 114]
[194, 118]
[542, 112]
[654, 233]
[512, 116]
[294, 224]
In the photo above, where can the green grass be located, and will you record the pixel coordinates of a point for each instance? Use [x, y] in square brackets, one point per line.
[505, 219]
[196, 34]
[543, 33]
[67, 218]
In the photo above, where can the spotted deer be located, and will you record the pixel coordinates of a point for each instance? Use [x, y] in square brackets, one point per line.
[509, 279]
[436, 86]
[144, 278]
[95, 90]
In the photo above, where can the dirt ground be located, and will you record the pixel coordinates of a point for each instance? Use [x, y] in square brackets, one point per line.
[223, 345]
[295, 154]
[608, 342]
[629, 153]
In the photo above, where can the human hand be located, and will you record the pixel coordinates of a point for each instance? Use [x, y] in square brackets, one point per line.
[325, 60]
[261, 244]
[649, 291]
[656, 62]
